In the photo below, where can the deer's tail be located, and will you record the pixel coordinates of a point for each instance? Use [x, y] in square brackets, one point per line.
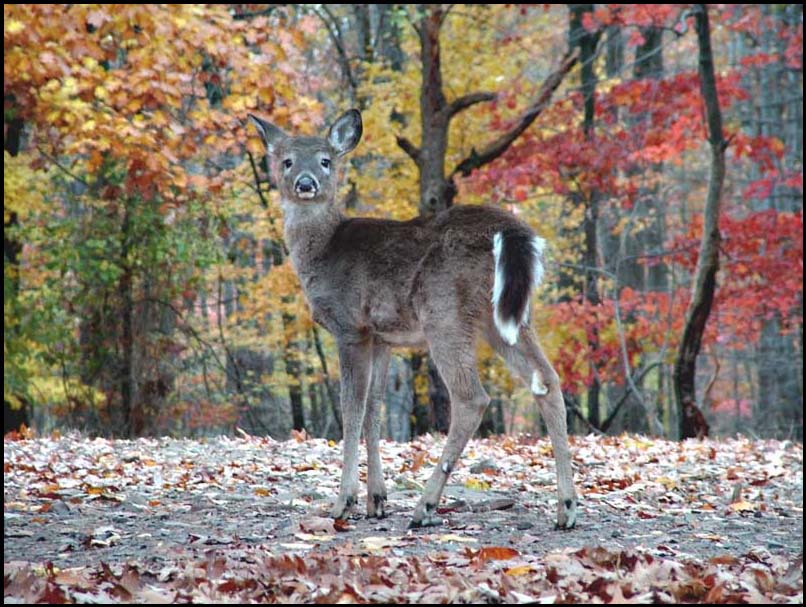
[518, 269]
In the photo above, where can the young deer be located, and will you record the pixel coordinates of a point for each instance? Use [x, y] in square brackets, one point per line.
[376, 284]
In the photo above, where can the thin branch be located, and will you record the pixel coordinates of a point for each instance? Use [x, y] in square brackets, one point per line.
[500, 145]
[334, 31]
[250, 15]
[407, 146]
[636, 380]
[570, 404]
[465, 101]
[63, 169]
[625, 359]
[263, 200]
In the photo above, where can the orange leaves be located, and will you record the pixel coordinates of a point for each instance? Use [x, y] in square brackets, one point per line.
[140, 94]
[494, 553]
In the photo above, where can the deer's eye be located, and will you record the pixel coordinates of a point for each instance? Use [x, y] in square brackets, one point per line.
[326, 163]
[287, 163]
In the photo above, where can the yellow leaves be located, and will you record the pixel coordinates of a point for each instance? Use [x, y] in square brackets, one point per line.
[57, 390]
[134, 105]
[159, 118]
[255, 146]
[519, 570]
[70, 86]
[238, 103]
[101, 94]
[23, 187]
[477, 484]
[636, 442]
[13, 26]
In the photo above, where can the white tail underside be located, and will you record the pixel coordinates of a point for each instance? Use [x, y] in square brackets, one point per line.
[508, 328]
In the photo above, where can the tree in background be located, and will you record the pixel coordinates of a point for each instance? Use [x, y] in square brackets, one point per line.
[136, 112]
[146, 284]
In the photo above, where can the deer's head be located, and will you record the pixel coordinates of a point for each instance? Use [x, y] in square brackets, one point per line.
[305, 169]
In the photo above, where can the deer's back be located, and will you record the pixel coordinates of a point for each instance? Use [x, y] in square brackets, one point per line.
[384, 277]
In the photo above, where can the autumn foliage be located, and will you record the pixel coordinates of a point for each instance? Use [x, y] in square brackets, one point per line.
[146, 283]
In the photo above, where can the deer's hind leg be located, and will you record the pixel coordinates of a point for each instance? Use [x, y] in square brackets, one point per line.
[453, 351]
[527, 360]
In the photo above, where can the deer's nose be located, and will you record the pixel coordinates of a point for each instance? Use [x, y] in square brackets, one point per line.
[305, 183]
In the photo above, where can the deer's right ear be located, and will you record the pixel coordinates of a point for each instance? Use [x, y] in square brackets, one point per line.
[272, 135]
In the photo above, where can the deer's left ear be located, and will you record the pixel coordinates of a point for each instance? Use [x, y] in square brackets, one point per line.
[346, 132]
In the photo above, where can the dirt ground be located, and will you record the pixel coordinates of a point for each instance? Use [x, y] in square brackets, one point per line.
[75, 502]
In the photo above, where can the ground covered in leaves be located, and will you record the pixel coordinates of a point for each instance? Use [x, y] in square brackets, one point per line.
[244, 519]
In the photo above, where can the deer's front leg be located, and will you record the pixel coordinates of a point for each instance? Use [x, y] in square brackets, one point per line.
[373, 420]
[355, 360]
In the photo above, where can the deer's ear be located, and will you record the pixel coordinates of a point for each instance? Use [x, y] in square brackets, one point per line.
[272, 135]
[346, 132]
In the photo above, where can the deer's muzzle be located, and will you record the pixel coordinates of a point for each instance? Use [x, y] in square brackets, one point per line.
[306, 186]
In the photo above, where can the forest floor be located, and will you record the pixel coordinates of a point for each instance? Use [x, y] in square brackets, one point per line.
[245, 519]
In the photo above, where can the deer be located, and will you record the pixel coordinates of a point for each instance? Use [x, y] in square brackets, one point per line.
[440, 282]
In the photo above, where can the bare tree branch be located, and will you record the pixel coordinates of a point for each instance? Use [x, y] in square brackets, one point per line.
[407, 146]
[336, 36]
[500, 145]
[464, 102]
[62, 168]
[263, 200]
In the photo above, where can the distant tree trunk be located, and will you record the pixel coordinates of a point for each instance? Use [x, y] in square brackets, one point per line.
[128, 417]
[293, 367]
[399, 399]
[492, 423]
[293, 370]
[692, 421]
[587, 41]
[614, 51]
[777, 111]
[13, 417]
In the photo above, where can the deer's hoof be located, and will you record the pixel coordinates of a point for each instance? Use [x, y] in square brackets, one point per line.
[376, 505]
[567, 514]
[342, 508]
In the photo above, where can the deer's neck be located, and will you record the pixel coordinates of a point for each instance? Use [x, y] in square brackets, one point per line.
[307, 231]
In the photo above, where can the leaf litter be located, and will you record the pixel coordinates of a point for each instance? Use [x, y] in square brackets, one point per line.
[245, 519]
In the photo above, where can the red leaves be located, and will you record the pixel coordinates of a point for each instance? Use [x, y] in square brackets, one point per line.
[761, 272]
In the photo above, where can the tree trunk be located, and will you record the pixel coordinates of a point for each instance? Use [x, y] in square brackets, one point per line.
[437, 191]
[13, 417]
[127, 416]
[436, 194]
[399, 399]
[692, 421]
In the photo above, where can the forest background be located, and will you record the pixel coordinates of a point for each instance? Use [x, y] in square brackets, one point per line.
[146, 285]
